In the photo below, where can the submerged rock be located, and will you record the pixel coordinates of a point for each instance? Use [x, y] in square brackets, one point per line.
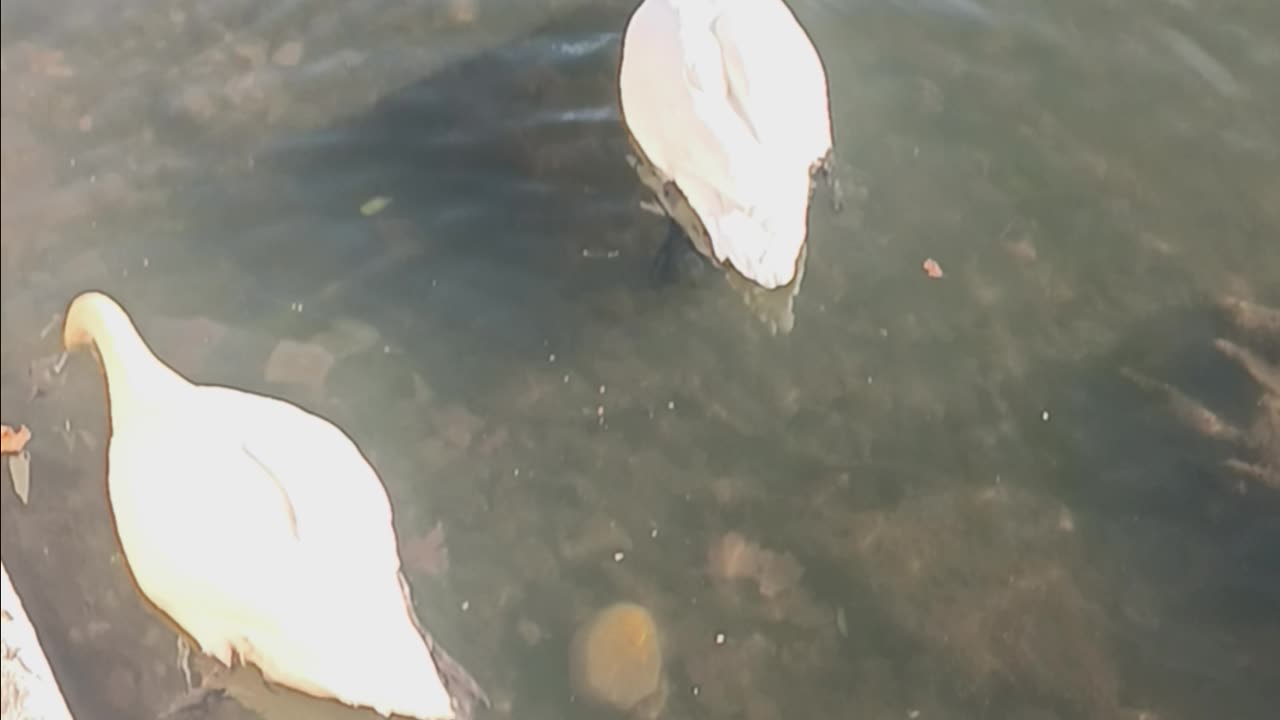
[989, 579]
[616, 660]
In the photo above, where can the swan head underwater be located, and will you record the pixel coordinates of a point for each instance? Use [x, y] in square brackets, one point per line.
[728, 103]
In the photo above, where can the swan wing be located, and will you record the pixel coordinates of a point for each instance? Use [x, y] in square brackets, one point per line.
[208, 534]
[341, 509]
[774, 80]
[346, 571]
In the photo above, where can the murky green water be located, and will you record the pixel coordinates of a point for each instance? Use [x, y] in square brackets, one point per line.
[992, 521]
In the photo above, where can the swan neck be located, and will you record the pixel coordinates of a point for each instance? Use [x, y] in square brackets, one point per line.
[135, 377]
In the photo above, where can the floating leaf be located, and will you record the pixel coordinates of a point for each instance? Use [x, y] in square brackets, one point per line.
[13, 441]
[375, 205]
[288, 54]
[20, 474]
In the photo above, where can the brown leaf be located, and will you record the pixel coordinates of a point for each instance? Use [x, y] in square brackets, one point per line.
[13, 441]
[288, 54]
[427, 554]
[299, 363]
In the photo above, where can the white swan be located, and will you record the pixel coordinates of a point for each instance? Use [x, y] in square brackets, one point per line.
[728, 101]
[262, 531]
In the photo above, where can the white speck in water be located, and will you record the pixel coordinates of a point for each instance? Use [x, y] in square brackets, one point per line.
[913, 714]
[601, 389]
[600, 411]
[146, 262]
[1045, 416]
[93, 179]
[619, 556]
[386, 349]
[842, 623]
[466, 605]
[671, 404]
[653, 533]
[870, 381]
[884, 332]
[433, 283]
[566, 379]
[696, 690]
[719, 638]
[551, 358]
[516, 472]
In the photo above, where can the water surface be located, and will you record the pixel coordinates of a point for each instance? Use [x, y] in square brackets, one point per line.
[992, 520]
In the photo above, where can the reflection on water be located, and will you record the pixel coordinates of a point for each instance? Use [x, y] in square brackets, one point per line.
[983, 516]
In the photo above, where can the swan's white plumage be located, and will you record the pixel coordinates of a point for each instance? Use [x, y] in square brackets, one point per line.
[259, 528]
[728, 100]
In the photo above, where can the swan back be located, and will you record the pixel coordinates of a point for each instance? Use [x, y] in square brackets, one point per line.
[729, 101]
[260, 529]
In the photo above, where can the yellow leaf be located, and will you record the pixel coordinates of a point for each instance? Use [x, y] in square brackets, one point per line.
[375, 205]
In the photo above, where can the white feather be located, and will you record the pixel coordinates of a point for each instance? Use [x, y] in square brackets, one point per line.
[259, 528]
[728, 100]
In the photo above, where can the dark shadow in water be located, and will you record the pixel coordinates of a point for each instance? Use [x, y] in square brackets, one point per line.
[513, 217]
[1188, 558]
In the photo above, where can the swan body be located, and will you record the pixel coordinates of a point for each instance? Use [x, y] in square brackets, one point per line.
[728, 101]
[262, 531]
